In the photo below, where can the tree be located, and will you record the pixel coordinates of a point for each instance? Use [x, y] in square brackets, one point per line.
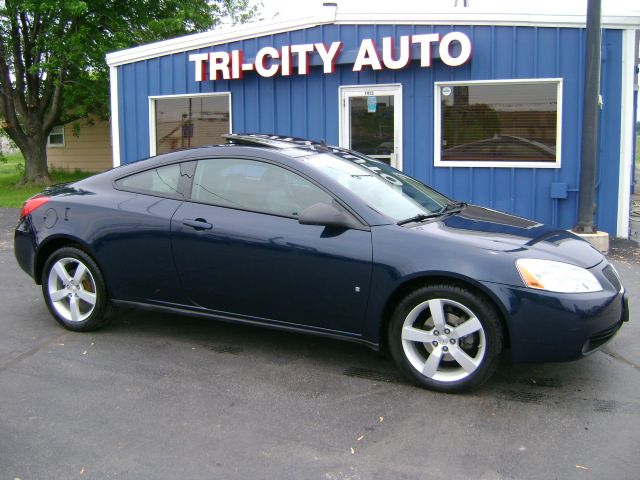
[52, 58]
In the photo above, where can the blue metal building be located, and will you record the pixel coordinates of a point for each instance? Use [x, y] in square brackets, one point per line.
[485, 110]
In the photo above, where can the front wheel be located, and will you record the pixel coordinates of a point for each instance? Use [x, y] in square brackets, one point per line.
[446, 338]
[74, 290]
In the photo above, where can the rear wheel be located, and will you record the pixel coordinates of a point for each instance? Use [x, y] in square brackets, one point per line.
[446, 338]
[74, 290]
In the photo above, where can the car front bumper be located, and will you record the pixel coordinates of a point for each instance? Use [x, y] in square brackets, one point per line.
[553, 327]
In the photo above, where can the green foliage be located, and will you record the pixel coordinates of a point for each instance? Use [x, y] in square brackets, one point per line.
[52, 55]
[70, 38]
[13, 194]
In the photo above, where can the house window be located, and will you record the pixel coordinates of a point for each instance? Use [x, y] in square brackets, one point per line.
[56, 137]
[187, 121]
[509, 123]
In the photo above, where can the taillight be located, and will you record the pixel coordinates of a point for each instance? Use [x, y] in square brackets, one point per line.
[31, 204]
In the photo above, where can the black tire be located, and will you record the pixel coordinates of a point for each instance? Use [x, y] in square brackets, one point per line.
[435, 351]
[74, 290]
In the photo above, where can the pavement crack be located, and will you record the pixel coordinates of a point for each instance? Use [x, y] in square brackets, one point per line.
[32, 351]
[620, 358]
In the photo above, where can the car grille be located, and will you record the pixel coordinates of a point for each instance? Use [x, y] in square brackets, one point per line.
[600, 338]
[612, 276]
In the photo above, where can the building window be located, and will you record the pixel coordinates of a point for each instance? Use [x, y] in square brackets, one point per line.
[508, 123]
[187, 121]
[56, 137]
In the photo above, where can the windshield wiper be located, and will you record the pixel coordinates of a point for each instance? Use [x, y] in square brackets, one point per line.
[419, 218]
[453, 207]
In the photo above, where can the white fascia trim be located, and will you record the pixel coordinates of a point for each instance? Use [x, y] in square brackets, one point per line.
[464, 18]
[627, 131]
[437, 127]
[330, 15]
[115, 117]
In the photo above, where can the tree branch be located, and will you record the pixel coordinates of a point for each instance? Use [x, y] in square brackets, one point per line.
[53, 117]
[18, 65]
[31, 79]
[7, 104]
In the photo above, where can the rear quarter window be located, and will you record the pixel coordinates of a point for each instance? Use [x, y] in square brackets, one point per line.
[161, 181]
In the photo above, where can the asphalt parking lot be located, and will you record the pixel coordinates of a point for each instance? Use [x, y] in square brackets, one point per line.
[157, 396]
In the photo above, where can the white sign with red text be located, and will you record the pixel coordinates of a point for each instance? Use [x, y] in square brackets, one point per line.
[294, 59]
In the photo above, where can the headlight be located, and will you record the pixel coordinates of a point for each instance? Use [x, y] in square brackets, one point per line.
[556, 276]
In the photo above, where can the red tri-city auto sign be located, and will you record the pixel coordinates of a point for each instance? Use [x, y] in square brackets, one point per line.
[295, 59]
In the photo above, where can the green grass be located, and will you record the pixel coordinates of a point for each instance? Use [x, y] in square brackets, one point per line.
[12, 195]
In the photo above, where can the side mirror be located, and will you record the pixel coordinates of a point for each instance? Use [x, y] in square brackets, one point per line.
[326, 215]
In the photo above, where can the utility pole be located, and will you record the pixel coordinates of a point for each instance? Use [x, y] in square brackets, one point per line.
[589, 148]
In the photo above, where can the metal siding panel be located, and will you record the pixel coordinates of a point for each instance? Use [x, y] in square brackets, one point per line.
[482, 53]
[315, 115]
[501, 182]
[504, 51]
[546, 52]
[166, 77]
[462, 183]
[128, 116]
[523, 204]
[141, 111]
[179, 72]
[153, 71]
[609, 148]
[238, 117]
[543, 205]
[525, 53]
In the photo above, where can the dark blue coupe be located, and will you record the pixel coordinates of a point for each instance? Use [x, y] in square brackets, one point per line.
[296, 235]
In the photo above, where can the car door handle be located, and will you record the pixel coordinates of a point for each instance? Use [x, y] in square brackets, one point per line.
[198, 224]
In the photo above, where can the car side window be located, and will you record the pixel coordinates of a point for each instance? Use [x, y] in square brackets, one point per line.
[256, 186]
[158, 181]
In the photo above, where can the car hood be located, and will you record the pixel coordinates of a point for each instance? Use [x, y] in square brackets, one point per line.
[479, 227]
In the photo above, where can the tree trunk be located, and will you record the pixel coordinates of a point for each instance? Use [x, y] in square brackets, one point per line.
[35, 161]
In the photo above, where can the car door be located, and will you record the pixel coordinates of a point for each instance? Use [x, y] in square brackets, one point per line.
[239, 249]
[131, 235]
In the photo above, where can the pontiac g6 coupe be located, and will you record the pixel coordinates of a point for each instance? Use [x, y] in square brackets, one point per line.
[296, 235]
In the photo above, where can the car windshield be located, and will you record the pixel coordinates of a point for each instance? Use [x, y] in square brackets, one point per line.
[382, 187]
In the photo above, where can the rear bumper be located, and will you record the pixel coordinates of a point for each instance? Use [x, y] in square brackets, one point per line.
[552, 327]
[24, 246]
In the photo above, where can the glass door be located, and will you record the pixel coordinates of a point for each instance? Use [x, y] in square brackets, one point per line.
[371, 121]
